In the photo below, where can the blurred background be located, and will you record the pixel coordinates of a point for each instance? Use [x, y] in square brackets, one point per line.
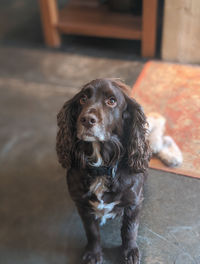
[48, 50]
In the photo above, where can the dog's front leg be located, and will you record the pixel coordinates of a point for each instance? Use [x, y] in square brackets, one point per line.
[129, 232]
[93, 252]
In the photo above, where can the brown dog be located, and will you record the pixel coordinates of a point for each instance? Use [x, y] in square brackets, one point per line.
[102, 143]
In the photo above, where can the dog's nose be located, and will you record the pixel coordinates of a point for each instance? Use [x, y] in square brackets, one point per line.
[88, 120]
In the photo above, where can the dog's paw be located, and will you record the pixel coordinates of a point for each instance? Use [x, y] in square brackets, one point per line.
[91, 257]
[131, 255]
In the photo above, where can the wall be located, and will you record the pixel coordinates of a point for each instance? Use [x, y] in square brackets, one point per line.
[181, 31]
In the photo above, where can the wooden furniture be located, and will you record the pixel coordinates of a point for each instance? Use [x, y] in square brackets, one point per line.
[92, 20]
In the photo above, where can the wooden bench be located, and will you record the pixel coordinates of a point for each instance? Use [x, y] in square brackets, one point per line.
[92, 20]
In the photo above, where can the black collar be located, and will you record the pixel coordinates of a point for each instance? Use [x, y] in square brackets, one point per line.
[102, 170]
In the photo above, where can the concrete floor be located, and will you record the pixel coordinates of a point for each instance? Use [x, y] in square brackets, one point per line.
[38, 221]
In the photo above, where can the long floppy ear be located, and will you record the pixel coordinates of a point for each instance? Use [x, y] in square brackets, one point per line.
[66, 120]
[138, 151]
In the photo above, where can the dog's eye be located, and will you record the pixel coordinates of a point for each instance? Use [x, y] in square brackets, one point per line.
[83, 99]
[111, 101]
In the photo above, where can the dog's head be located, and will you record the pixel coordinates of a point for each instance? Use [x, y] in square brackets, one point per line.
[101, 115]
[100, 111]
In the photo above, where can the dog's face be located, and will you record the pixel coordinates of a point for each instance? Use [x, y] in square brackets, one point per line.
[103, 112]
[102, 106]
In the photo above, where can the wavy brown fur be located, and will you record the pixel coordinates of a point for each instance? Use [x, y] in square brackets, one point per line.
[120, 142]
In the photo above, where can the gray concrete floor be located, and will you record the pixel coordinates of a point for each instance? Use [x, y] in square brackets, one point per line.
[38, 221]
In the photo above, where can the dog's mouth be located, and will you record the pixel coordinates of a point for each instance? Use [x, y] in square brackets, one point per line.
[90, 135]
[87, 136]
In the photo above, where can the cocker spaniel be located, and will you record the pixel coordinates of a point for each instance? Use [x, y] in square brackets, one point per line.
[102, 143]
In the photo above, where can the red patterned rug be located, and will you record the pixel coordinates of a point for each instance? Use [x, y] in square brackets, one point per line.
[173, 90]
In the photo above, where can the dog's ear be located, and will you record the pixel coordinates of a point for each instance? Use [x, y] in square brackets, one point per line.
[134, 127]
[66, 121]
[138, 151]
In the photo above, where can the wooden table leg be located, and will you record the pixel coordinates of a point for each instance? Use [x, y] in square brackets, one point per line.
[149, 27]
[49, 18]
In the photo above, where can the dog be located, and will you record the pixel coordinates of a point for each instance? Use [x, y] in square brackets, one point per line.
[102, 143]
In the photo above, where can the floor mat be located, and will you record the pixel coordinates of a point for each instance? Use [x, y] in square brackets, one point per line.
[173, 90]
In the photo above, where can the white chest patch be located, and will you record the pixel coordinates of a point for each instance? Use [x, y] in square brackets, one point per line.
[102, 210]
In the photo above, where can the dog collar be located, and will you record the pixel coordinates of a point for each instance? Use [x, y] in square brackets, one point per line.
[102, 170]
